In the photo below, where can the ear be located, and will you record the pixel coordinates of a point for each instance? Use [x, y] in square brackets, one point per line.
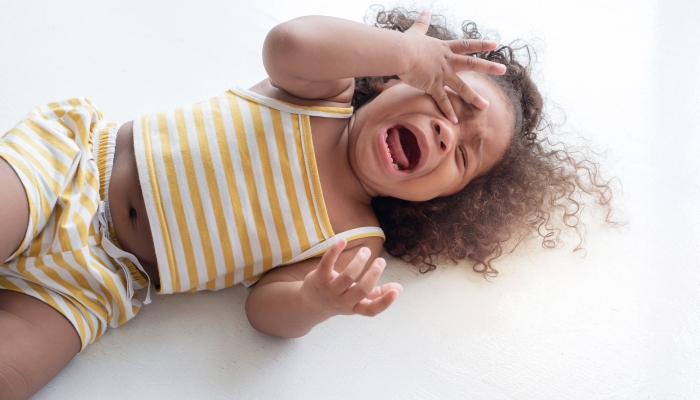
[386, 85]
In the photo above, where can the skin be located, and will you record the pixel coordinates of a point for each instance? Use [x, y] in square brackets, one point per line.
[36, 341]
[457, 113]
[454, 153]
[127, 207]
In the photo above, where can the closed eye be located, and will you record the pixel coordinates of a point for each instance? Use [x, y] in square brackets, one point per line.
[464, 157]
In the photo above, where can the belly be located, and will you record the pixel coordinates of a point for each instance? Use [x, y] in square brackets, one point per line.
[127, 206]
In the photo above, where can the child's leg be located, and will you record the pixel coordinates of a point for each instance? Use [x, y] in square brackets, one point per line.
[14, 211]
[36, 343]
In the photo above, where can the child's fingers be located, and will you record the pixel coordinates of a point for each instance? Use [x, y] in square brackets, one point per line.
[465, 46]
[444, 103]
[325, 266]
[471, 63]
[370, 308]
[366, 285]
[342, 282]
[378, 291]
[422, 23]
[466, 92]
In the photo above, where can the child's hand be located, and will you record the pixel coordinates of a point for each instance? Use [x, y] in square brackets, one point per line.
[337, 293]
[436, 63]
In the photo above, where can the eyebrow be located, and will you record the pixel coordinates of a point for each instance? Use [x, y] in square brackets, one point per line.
[466, 105]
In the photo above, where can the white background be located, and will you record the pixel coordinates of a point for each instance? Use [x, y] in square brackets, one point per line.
[621, 322]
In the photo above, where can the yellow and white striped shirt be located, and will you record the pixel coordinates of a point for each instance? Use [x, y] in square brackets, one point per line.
[232, 189]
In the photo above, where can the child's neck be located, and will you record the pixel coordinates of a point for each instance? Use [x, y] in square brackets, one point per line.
[347, 201]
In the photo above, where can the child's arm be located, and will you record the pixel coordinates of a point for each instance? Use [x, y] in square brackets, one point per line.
[316, 57]
[290, 301]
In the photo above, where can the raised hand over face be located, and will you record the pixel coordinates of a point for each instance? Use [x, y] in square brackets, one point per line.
[435, 64]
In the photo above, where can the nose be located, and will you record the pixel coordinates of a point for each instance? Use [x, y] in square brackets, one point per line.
[445, 135]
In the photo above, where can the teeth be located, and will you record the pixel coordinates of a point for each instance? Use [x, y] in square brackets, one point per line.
[386, 137]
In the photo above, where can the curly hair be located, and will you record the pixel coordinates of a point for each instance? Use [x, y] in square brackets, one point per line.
[539, 187]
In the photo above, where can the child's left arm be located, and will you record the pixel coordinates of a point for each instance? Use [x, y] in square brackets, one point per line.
[289, 301]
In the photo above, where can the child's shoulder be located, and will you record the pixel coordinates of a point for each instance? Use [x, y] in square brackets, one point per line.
[268, 89]
[330, 147]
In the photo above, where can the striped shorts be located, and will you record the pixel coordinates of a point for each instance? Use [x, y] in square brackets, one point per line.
[63, 154]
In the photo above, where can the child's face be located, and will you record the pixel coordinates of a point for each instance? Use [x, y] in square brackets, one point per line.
[402, 145]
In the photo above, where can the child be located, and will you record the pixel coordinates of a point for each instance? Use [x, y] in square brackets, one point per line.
[440, 154]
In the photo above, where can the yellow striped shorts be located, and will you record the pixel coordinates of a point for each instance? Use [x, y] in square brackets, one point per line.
[63, 153]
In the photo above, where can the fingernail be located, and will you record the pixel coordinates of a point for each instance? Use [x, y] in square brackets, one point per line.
[364, 251]
[454, 120]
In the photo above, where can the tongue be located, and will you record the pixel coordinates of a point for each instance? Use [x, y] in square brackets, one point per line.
[394, 142]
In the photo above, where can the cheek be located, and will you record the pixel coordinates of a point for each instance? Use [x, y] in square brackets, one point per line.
[422, 189]
[445, 180]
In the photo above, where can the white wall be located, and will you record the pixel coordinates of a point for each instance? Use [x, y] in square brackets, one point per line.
[621, 322]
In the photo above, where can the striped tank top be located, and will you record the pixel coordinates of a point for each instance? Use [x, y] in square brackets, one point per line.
[232, 189]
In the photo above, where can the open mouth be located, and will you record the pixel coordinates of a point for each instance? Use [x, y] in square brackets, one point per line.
[403, 147]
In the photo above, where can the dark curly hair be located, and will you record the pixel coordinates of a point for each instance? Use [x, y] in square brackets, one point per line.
[537, 183]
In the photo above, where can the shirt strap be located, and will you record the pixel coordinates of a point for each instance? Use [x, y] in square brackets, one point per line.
[312, 111]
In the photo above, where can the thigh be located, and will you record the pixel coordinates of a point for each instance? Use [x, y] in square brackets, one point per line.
[36, 343]
[14, 211]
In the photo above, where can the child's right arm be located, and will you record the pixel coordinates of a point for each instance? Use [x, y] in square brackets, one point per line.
[317, 57]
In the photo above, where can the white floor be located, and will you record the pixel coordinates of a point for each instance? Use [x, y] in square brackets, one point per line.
[621, 322]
